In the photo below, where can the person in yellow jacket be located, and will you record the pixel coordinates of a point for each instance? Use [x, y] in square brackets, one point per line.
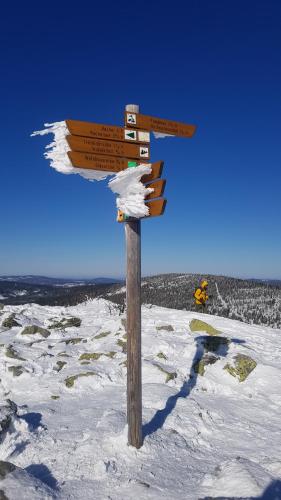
[201, 296]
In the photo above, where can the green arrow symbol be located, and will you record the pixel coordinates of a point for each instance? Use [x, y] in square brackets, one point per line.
[131, 134]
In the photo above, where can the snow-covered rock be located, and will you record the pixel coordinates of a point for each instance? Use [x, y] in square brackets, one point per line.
[8, 411]
[16, 483]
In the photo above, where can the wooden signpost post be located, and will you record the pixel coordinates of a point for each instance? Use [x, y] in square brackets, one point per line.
[133, 326]
[133, 283]
[113, 149]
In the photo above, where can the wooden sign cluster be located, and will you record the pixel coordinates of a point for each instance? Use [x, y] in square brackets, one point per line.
[111, 148]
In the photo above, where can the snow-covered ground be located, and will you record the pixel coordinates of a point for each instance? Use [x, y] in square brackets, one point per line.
[206, 435]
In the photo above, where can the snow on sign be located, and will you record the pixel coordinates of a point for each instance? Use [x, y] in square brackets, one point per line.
[155, 209]
[156, 172]
[158, 189]
[159, 125]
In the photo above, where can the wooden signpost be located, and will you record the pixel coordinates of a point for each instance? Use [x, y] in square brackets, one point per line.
[103, 147]
[113, 149]
[133, 245]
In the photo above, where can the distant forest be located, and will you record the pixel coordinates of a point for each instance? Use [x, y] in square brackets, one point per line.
[251, 301]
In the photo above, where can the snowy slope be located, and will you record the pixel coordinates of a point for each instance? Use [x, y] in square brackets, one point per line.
[206, 435]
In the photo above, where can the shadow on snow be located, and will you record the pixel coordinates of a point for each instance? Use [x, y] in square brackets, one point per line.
[160, 416]
[42, 472]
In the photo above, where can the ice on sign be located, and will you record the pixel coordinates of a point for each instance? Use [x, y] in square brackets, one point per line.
[131, 118]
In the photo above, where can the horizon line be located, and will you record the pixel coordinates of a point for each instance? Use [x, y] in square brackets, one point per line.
[123, 278]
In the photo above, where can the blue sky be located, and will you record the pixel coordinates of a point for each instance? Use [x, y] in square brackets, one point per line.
[215, 64]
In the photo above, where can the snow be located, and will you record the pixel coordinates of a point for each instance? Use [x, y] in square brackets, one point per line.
[57, 152]
[205, 436]
[223, 303]
[160, 135]
[126, 184]
[19, 293]
[131, 192]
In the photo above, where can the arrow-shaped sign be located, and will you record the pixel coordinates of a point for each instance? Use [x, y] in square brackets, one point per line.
[156, 208]
[97, 162]
[112, 164]
[158, 187]
[106, 132]
[107, 148]
[154, 124]
[156, 172]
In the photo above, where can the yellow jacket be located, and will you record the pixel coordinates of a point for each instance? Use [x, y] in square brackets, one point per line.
[200, 296]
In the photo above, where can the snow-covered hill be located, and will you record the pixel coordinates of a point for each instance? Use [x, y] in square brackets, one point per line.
[250, 301]
[211, 406]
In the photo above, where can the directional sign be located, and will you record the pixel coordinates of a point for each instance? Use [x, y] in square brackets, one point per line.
[156, 172]
[106, 132]
[158, 125]
[97, 162]
[158, 187]
[112, 164]
[108, 148]
[156, 207]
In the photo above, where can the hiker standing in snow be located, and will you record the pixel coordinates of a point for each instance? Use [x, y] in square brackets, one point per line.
[200, 295]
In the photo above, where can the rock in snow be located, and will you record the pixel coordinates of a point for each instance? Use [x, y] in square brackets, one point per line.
[8, 410]
[18, 483]
[209, 431]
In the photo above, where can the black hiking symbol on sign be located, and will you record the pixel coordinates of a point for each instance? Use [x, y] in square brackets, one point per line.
[144, 152]
[131, 118]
